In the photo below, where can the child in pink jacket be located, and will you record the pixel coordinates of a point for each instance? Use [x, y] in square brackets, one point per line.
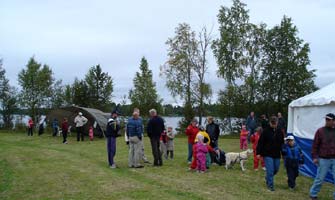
[91, 133]
[243, 138]
[201, 149]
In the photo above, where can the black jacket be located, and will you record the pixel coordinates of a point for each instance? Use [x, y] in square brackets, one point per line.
[113, 128]
[213, 131]
[155, 127]
[270, 143]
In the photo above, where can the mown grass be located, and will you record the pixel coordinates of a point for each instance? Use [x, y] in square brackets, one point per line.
[43, 168]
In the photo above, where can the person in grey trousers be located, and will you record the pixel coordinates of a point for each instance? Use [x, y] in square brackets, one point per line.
[134, 133]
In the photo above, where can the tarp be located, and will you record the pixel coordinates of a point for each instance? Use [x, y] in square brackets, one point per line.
[96, 118]
[305, 116]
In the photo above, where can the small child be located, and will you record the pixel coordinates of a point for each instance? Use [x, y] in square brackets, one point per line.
[65, 129]
[170, 144]
[163, 144]
[243, 138]
[293, 158]
[201, 154]
[254, 140]
[91, 133]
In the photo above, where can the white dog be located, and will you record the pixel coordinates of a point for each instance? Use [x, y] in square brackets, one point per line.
[242, 157]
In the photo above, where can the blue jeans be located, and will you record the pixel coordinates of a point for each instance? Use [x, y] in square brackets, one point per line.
[324, 166]
[190, 152]
[111, 149]
[272, 167]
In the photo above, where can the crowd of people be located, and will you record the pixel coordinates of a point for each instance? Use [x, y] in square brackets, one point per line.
[269, 139]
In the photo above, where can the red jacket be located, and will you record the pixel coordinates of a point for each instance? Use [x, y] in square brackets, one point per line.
[191, 132]
[65, 126]
[254, 140]
[324, 143]
[31, 123]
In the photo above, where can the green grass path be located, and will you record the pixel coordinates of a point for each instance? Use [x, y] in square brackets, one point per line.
[42, 168]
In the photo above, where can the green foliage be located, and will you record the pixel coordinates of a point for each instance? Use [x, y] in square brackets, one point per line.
[271, 63]
[186, 68]
[58, 95]
[229, 48]
[144, 94]
[80, 93]
[100, 88]
[285, 76]
[7, 98]
[36, 83]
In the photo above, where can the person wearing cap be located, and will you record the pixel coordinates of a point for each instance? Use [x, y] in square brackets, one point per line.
[154, 129]
[191, 131]
[293, 158]
[269, 147]
[112, 132]
[323, 154]
[80, 121]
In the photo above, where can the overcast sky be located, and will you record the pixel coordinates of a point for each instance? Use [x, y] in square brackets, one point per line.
[73, 35]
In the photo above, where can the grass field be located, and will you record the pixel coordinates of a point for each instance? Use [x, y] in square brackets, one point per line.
[43, 168]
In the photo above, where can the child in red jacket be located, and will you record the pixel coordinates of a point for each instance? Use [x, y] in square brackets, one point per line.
[254, 140]
[243, 138]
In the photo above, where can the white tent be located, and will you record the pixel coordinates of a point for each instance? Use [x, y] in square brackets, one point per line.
[305, 116]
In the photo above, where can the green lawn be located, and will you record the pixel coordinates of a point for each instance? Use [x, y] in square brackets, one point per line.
[43, 168]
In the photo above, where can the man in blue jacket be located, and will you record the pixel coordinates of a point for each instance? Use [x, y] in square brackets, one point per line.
[134, 133]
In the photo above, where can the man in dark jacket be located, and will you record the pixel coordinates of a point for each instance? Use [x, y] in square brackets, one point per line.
[251, 125]
[323, 154]
[281, 123]
[113, 129]
[213, 131]
[155, 129]
[269, 147]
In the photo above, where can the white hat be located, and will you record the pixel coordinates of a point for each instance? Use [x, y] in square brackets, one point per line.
[80, 113]
[290, 137]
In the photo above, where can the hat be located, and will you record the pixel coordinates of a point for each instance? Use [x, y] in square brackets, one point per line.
[200, 137]
[194, 120]
[330, 116]
[80, 113]
[290, 137]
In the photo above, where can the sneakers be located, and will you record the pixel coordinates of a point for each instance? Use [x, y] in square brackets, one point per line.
[256, 170]
[113, 166]
[263, 168]
[271, 189]
[313, 198]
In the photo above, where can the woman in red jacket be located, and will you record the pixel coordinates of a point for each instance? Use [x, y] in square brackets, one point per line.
[191, 132]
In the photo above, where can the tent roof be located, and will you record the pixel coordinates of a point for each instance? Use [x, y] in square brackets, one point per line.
[323, 96]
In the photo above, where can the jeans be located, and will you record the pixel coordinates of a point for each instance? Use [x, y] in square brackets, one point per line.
[111, 149]
[190, 152]
[272, 167]
[324, 166]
